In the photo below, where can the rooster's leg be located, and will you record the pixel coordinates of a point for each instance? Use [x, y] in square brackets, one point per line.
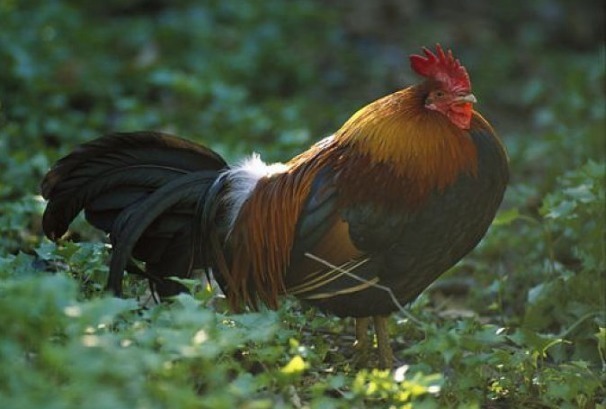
[362, 344]
[386, 358]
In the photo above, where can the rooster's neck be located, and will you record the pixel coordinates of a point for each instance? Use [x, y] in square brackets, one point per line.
[398, 144]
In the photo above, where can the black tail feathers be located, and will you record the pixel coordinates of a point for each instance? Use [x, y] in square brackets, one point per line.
[145, 189]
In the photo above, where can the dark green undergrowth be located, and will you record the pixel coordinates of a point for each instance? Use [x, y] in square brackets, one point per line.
[519, 323]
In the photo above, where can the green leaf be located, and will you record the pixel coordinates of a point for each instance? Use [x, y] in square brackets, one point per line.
[506, 217]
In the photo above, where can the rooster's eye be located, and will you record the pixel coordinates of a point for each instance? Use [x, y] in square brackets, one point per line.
[434, 96]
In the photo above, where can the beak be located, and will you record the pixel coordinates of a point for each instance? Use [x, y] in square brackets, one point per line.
[466, 98]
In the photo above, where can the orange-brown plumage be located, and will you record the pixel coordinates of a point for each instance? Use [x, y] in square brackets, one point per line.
[396, 196]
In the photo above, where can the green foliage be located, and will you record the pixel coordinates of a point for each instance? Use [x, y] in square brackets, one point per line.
[529, 329]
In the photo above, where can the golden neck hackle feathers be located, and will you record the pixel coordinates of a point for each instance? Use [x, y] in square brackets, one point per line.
[415, 150]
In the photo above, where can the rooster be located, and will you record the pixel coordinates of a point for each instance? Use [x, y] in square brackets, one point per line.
[358, 225]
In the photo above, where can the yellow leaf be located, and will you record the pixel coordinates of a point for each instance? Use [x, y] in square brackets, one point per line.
[296, 365]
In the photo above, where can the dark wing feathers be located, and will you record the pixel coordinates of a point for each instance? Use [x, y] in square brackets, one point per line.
[320, 208]
[372, 228]
[323, 239]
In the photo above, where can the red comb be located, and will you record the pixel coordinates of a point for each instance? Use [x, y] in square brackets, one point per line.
[442, 67]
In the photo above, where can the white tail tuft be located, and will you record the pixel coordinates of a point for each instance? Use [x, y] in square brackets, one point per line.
[242, 180]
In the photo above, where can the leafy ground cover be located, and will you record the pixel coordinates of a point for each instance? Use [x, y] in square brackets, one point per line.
[520, 323]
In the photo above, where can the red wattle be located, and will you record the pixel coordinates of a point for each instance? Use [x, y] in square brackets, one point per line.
[460, 114]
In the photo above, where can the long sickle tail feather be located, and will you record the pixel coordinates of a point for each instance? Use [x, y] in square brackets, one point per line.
[134, 220]
[207, 234]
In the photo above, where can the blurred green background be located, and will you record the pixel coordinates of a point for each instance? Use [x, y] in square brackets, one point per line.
[273, 77]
